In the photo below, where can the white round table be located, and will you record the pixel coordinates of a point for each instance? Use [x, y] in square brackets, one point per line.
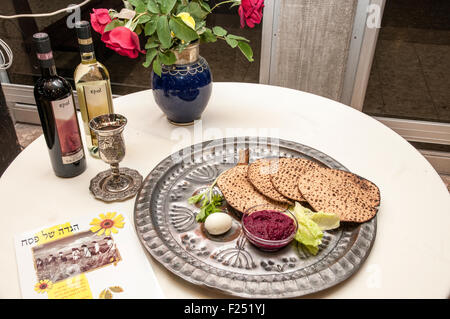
[411, 254]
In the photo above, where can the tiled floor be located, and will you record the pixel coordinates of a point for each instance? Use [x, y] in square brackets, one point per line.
[28, 133]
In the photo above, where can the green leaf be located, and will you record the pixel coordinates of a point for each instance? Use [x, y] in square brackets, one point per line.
[201, 216]
[141, 8]
[308, 232]
[205, 6]
[194, 9]
[150, 27]
[152, 6]
[196, 198]
[246, 50]
[211, 202]
[136, 2]
[138, 29]
[236, 37]
[231, 42]
[326, 221]
[180, 8]
[182, 46]
[219, 31]
[144, 19]
[151, 43]
[113, 24]
[200, 25]
[167, 58]
[157, 66]
[208, 36]
[235, 4]
[163, 31]
[167, 5]
[139, 5]
[312, 249]
[151, 53]
[181, 30]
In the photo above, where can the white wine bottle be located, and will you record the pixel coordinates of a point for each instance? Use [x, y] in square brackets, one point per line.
[93, 85]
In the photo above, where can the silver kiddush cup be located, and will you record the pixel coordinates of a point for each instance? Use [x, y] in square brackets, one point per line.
[116, 183]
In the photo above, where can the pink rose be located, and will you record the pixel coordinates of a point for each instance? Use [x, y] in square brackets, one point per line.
[99, 19]
[250, 12]
[123, 41]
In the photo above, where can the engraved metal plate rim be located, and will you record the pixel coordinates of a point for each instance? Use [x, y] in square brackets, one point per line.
[151, 238]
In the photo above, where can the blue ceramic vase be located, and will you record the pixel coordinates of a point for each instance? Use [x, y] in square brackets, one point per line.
[184, 88]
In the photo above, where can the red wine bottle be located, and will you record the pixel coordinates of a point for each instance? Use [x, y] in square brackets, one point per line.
[56, 107]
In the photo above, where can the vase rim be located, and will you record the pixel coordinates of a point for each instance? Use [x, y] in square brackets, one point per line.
[189, 55]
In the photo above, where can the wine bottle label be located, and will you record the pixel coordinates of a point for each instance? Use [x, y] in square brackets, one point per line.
[45, 56]
[68, 130]
[85, 41]
[96, 100]
[86, 45]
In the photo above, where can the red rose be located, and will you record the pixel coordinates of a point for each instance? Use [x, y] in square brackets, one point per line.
[123, 41]
[250, 12]
[99, 19]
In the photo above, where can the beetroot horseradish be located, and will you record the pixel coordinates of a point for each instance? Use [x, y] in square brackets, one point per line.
[269, 229]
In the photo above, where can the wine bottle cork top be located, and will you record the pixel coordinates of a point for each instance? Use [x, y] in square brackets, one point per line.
[42, 42]
[83, 29]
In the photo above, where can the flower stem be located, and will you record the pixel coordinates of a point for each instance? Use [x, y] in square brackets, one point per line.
[220, 3]
[211, 188]
[135, 18]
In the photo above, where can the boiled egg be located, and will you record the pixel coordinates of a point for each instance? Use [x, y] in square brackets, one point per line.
[218, 223]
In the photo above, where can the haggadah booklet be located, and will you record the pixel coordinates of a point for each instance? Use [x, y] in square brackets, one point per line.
[98, 256]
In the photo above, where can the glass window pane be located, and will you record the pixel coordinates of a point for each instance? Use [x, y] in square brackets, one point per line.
[410, 77]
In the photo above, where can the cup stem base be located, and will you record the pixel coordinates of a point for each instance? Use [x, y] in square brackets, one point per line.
[108, 187]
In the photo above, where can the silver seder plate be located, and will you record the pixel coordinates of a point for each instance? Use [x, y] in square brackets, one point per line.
[167, 228]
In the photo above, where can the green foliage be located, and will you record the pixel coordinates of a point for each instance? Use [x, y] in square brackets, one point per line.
[150, 55]
[150, 26]
[171, 25]
[163, 32]
[209, 206]
[113, 24]
[219, 31]
[211, 203]
[167, 6]
[181, 30]
[153, 7]
[246, 49]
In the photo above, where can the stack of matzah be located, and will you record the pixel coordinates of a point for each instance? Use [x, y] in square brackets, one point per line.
[278, 183]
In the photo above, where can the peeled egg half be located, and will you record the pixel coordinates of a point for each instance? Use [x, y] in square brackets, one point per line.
[218, 223]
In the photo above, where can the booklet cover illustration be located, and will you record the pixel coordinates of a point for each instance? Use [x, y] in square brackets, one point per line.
[98, 256]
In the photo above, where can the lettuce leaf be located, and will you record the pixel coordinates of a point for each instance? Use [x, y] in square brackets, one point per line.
[313, 250]
[311, 226]
[326, 221]
[308, 232]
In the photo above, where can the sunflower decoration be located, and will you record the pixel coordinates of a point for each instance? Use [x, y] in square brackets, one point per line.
[43, 286]
[107, 224]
